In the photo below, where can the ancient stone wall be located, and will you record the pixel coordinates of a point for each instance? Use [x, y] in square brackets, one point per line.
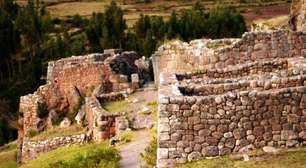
[218, 111]
[70, 82]
[205, 53]
[297, 15]
[29, 106]
[101, 123]
[31, 149]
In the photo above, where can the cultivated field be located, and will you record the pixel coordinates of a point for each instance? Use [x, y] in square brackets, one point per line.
[252, 10]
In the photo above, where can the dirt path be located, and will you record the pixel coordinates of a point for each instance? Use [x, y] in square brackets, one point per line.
[130, 153]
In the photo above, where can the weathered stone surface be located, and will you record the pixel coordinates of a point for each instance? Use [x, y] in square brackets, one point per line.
[210, 151]
[270, 149]
[65, 123]
[193, 156]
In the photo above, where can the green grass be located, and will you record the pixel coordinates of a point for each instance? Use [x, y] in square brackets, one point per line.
[85, 156]
[127, 136]
[149, 156]
[8, 155]
[116, 106]
[58, 132]
[286, 159]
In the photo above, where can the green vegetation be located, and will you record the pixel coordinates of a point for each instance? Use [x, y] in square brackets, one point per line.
[152, 109]
[8, 155]
[30, 38]
[150, 153]
[126, 136]
[116, 106]
[59, 132]
[285, 159]
[85, 156]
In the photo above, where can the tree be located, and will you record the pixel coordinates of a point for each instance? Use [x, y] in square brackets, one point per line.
[114, 25]
[172, 26]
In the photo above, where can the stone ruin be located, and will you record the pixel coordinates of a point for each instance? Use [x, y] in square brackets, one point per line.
[75, 88]
[217, 97]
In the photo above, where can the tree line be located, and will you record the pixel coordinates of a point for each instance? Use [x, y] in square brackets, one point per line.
[29, 38]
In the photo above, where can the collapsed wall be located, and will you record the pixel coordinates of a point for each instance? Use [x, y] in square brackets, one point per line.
[246, 94]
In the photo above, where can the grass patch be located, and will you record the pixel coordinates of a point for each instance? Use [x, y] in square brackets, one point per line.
[149, 156]
[59, 132]
[116, 106]
[8, 155]
[126, 136]
[85, 156]
[286, 159]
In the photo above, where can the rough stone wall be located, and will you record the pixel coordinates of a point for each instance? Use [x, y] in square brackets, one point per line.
[206, 54]
[71, 79]
[297, 15]
[32, 149]
[192, 127]
[29, 107]
[101, 123]
[231, 104]
[84, 73]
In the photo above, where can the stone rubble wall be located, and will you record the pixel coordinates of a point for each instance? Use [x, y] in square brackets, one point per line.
[101, 123]
[180, 56]
[192, 127]
[32, 149]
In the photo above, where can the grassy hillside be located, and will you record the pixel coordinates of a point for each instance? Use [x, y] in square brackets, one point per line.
[8, 155]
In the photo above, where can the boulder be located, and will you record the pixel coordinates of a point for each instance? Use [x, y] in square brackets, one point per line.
[65, 123]
[79, 118]
[194, 156]
[270, 149]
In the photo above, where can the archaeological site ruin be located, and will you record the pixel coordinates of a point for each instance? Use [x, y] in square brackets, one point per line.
[215, 97]
[222, 96]
[75, 89]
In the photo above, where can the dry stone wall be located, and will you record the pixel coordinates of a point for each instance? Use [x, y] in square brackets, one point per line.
[101, 123]
[206, 54]
[247, 94]
[191, 127]
[31, 149]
